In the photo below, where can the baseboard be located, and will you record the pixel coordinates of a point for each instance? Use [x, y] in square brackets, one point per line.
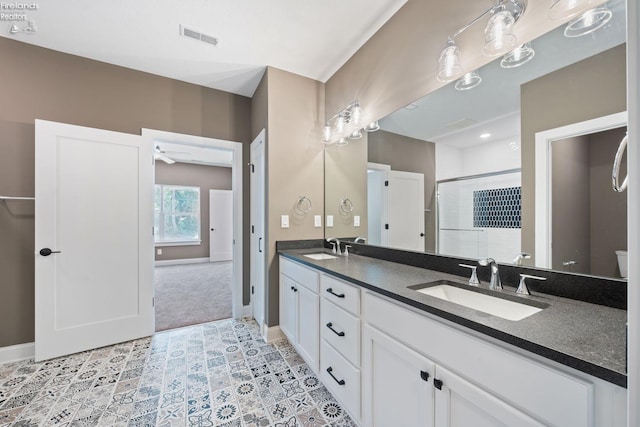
[272, 333]
[165, 262]
[17, 352]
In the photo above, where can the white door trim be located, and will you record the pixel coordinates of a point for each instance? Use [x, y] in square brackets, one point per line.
[258, 220]
[152, 135]
[543, 175]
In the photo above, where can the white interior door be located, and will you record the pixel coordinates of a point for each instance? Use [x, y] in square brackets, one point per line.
[258, 272]
[94, 209]
[405, 211]
[220, 225]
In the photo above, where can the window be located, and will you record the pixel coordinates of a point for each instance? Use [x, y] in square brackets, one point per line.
[177, 214]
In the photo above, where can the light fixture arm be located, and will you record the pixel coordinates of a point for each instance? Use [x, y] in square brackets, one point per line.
[517, 8]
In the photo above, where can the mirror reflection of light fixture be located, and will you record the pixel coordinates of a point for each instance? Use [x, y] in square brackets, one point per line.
[498, 34]
[588, 22]
[340, 124]
[342, 141]
[518, 56]
[347, 123]
[357, 134]
[449, 67]
[326, 133]
[563, 9]
[468, 81]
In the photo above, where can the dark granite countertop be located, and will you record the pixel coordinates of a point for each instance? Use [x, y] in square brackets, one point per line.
[588, 337]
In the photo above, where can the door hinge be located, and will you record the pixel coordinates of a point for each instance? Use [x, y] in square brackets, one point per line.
[386, 183]
[153, 231]
[437, 384]
[386, 226]
[253, 229]
[424, 375]
[153, 302]
[252, 290]
[253, 167]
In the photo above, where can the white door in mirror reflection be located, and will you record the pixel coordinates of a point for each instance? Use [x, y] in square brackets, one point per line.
[396, 209]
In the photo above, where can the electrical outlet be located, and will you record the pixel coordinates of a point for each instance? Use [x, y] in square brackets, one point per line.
[356, 221]
[159, 251]
[284, 221]
[329, 220]
[317, 220]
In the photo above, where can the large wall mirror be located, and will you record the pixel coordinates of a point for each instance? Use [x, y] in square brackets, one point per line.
[455, 172]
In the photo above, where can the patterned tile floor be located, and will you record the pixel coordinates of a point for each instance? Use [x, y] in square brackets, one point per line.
[215, 374]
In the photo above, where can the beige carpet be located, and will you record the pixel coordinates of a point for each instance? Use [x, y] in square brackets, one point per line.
[192, 293]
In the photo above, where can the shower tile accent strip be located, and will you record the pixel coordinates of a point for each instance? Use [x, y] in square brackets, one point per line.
[215, 374]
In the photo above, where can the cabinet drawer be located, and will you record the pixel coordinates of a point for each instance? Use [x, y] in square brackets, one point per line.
[341, 293]
[341, 330]
[341, 378]
[301, 274]
[530, 386]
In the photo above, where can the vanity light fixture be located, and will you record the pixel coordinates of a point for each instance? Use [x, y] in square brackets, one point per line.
[347, 123]
[564, 9]
[518, 56]
[468, 81]
[498, 36]
[588, 22]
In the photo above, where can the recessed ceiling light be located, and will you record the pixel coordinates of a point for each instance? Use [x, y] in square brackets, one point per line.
[410, 107]
[485, 135]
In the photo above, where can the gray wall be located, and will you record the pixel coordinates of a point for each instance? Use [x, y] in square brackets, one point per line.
[562, 98]
[410, 155]
[204, 177]
[59, 87]
[570, 201]
[608, 208]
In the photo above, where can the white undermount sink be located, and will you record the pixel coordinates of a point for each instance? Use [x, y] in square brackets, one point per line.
[493, 305]
[321, 256]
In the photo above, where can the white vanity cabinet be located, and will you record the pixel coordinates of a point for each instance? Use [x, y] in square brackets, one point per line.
[472, 381]
[300, 309]
[340, 328]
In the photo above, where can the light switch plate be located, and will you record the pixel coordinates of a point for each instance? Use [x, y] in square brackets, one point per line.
[356, 221]
[317, 220]
[329, 220]
[284, 221]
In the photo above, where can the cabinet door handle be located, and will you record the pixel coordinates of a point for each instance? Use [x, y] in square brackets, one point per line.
[330, 326]
[330, 370]
[437, 384]
[330, 290]
[294, 289]
[424, 375]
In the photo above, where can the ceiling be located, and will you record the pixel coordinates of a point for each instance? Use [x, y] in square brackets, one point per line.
[457, 118]
[310, 38]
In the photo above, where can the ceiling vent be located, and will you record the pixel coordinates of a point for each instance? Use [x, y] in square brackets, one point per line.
[196, 35]
[461, 123]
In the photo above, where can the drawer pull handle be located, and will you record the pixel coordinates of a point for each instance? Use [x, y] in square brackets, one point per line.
[330, 370]
[330, 326]
[330, 290]
[294, 289]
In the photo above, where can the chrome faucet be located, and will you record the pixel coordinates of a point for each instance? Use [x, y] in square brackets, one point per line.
[494, 283]
[360, 239]
[336, 245]
[521, 255]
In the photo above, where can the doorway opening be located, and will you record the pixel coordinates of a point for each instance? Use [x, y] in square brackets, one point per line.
[197, 229]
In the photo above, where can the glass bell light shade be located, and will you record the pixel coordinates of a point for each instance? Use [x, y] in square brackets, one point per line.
[449, 67]
[468, 81]
[340, 124]
[562, 9]
[588, 22]
[357, 134]
[372, 127]
[326, 133]
[518, 56]
[498, 35]
[356, 115]
[342, 141]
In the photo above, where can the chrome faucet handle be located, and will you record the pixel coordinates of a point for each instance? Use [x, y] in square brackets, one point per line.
[334, 244]
[522, 287]
[473, 280]
[346, 250]
[522, 255]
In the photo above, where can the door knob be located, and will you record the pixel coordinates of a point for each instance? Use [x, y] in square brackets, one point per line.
[47, 252]
[213, 229]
